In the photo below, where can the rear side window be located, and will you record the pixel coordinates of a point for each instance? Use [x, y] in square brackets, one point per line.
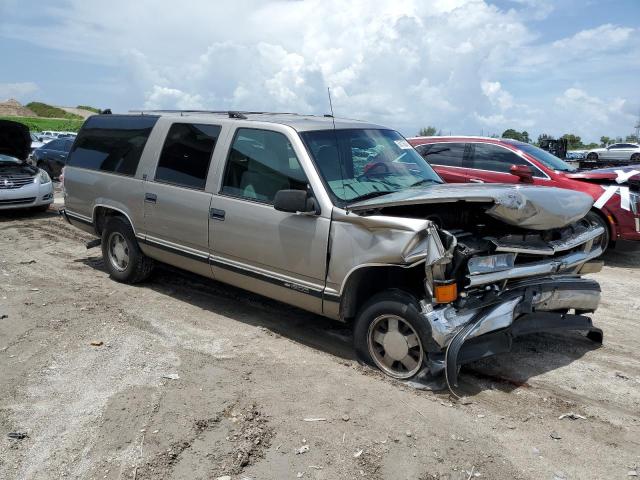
[260, 163]
[493, 158]
[112, 143]
[186, 155]
[446, 154]
[55, 145]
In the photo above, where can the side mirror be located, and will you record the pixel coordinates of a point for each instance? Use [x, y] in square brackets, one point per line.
[295, 201]
[523, 172]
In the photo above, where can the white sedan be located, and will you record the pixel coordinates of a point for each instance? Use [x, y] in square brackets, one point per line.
[617, 151]
[23, 185]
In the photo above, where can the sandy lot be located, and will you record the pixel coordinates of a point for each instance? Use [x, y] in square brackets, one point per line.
[194, 379]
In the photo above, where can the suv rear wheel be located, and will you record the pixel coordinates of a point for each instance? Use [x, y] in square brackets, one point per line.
[122, 256]
[390, 335]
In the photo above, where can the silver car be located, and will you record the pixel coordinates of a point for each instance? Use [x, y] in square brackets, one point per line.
[341, 218]
[617, 151]
[21, 185]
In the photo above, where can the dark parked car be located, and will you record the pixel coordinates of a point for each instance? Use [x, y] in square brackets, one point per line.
[52, 156]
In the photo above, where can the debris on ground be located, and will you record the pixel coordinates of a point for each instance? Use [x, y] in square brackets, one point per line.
[3, 316]
[358, 453]
[302, 449]
[315, 419]
[632, 473]
[555, 435]
[171, 376]
[97, 343]
[27, 262]
[559, 476]
[622, 376]
[17, 435]
[224, 477]
[572, 416]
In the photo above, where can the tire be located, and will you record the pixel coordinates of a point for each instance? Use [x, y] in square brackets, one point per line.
[595, 219]
[397, 351]
[121, 253]
[592, 156]
[635, 158]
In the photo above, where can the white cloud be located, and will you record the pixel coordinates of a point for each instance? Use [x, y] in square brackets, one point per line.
[461, 65]
[19, 91]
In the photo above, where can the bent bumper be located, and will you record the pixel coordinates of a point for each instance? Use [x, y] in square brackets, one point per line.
[462, 336]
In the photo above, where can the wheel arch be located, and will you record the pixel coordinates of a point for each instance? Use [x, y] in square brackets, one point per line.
[101, 212]
[368, 280]
[609, 220]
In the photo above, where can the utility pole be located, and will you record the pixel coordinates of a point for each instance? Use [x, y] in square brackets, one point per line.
[637, 127]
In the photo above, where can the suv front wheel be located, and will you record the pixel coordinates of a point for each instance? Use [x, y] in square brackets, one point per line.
[122, 256]
[390, 335]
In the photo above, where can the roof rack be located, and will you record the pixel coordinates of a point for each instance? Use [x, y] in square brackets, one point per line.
[241, 115]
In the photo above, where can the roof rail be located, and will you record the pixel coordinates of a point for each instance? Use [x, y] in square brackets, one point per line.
[231, 113]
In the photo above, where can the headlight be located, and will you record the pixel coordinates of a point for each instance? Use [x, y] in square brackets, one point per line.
[44, 177]
[492, 263]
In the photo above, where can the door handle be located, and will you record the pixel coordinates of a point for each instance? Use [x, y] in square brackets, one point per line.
[217, 214]
[150, 197]
[476, 180]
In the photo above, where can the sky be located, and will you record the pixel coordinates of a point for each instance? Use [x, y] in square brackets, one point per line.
[469, 67]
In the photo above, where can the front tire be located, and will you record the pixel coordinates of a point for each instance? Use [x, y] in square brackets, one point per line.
[635, 158]
[592, 156]
[389, 334]
[122, 256]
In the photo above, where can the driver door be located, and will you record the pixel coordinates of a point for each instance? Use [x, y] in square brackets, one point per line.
[254, 246]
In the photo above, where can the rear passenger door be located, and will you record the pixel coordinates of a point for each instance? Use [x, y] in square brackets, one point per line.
[176, 205]
[448, 159]
[491, 163]
[277, 254]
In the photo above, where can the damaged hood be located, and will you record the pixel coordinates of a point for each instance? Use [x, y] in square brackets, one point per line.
[525, 206]
[15, 140]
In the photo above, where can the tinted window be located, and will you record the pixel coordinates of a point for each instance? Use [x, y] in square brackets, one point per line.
[67, 145]
[615, 146]
[55, 145]
[498, 159]
[112, 143]
[260, 163]
[186, 155]
[448, 154]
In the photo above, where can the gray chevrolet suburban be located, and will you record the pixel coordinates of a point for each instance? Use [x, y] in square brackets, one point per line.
[341, 218]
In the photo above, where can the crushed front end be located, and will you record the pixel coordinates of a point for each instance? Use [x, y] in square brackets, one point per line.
[481, 291]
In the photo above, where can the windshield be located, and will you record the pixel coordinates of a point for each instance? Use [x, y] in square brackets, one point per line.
[362, 163]
[546, 158]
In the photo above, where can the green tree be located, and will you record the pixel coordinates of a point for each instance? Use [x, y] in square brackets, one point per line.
[525, 137]
[511, 133]
[631, 139]
[573, 141]
[428, 132]
[604, 141]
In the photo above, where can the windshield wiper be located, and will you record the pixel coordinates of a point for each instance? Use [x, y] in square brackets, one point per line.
[423, 181]
[369, 195]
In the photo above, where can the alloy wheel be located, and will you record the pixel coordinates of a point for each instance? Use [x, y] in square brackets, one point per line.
[118, 251]
[395, 347]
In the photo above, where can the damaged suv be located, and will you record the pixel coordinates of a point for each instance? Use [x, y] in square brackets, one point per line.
[341, 218]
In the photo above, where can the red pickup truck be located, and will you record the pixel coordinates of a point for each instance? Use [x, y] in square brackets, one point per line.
[615, 191]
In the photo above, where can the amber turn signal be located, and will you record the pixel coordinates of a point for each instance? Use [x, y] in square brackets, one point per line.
[445, 291]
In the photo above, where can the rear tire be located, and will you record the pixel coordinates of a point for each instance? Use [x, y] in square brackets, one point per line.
[389, 334]
[121, 253]
[595, 219]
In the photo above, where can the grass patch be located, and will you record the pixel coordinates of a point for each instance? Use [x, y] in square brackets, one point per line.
[91, 109]
[37, 124]
[49, 111]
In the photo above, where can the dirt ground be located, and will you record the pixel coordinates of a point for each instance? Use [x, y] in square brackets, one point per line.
[194, 379]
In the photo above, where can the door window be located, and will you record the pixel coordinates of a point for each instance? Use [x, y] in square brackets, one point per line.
[186, 155]
[260, 163]
[445, 154]
[55, 145]
[498, 159]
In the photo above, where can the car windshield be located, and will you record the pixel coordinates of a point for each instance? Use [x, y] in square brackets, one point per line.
[546, 158]
[363, 163]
